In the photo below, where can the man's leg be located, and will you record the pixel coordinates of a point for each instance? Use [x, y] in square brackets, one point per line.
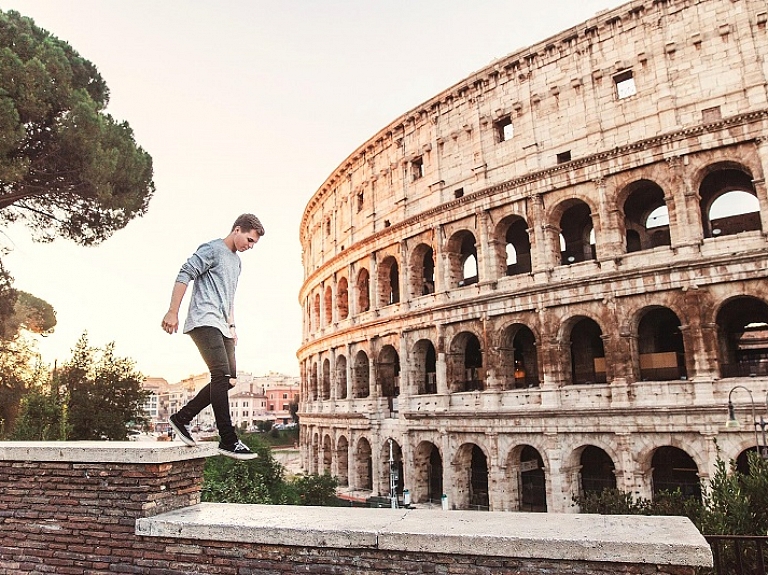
[218, 354]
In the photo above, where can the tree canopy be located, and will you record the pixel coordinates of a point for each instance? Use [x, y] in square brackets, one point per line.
[67, 168]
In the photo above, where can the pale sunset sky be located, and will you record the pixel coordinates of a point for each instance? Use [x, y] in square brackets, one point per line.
[245, 106]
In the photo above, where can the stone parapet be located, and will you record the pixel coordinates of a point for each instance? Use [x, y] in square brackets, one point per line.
[85, 507]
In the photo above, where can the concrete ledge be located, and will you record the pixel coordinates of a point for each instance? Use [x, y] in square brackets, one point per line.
[602, 538]
[104, 451]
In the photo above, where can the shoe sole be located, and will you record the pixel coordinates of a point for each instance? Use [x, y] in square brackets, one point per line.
[241, 457]
[188, 441]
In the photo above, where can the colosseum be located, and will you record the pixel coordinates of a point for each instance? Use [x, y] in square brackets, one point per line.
[550, 278]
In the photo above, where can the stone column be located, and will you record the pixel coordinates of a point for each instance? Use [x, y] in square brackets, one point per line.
[760, 187]
[688, 226]
[348, 353]
[486, 256]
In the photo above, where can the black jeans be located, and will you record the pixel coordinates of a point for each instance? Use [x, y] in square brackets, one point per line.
[218, 352]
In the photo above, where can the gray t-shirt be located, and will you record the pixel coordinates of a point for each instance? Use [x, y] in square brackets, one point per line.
[214, 268]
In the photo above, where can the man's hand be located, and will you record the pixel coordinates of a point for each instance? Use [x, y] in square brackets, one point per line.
[170, 322]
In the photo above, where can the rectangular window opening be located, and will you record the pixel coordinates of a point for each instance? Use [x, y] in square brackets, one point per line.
[625, 84]
[458, 193]
[564, 157]
[504, 129]
[360, 201]
[417, 168]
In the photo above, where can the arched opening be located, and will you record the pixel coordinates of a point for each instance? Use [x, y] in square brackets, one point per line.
[466, 363]
[533, 485]
[660, 342]
[341, 377]
[729, 203]
[326, 390]
[363, 291]
[342, 460]
[314, 391]
[425, 367]
[742, 336]
[421, 273]
[388, 375]
[427, 473]
[461, 251]
[518, 362]
[342, 298]
[391, 466]
[742, 461]
[597, 470]
[361, 385]
[517, 246]
[674, 469]
[587, 352]
[472, 478]
[327, 455]
[328, 305]
[577, 234]
[363, 465]
[316, 312]
[646, 219]
[389, 282]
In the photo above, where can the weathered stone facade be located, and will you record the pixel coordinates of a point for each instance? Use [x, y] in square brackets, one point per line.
[549, 278]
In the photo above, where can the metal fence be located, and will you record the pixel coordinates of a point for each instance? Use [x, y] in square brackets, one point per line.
[738, 554]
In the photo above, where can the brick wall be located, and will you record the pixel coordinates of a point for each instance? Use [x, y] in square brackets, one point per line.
[70, 508]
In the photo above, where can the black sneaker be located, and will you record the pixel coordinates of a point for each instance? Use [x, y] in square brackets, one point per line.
[181, 430]
[237, 450]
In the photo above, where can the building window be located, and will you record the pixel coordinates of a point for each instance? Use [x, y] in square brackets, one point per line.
[625, 84]
[504, 129]
[328, 227]
[360, 201]
[417, 168]
[564, 157]
[285, 396]
[458, 193]
[271, 407]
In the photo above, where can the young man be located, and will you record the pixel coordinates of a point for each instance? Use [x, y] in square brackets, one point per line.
[214, 269]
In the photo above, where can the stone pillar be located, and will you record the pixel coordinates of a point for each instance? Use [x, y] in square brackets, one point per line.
[688, 226]
[437, 253]
[486, 256]
[406, 385]
[373, 284]
[760, 187]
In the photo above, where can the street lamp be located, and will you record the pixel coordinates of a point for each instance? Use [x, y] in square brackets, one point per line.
[733, 423]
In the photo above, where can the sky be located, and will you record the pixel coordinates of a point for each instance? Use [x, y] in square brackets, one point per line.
[244, 106]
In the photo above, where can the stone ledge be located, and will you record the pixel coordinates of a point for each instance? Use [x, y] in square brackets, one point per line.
[601, 538]
[104, 451]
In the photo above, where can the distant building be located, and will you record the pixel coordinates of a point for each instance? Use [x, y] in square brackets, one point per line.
[252, 400]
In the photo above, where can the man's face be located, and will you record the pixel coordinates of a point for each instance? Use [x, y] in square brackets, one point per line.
[245, 240]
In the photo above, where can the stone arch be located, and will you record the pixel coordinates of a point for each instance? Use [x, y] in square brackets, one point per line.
[597, 470]
[427, 473]
[421, 271]
[461, 255]
[673, 468]
[472, 466]
[526, 473]
[660, 344]
[328, 306]
[513, 246]
[361, 376]
[342, 460]
[424, 362]
[327, 454]
[728, 179]
[646, 216]
[316, 312]
[325, 392]
[363, 465]
[586, 354]
[388, 371]
[342, 298]
[573, 217]
[313, 383]
[363, 286]
[341, 377]
[518, 357]
[391, 468]
[742, 337]
[388, 282]
[465, 363]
